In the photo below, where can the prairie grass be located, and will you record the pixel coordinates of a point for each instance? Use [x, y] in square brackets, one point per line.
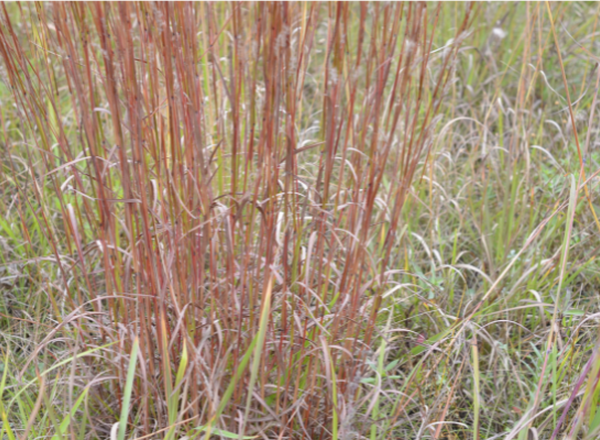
[299, 221]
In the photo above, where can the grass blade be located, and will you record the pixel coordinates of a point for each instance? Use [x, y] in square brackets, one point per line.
[125, 405]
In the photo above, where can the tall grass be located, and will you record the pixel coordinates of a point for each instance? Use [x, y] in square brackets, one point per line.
[316, 220]
[224, 185]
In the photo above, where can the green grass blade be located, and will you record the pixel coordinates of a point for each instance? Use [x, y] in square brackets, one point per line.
[128, 388]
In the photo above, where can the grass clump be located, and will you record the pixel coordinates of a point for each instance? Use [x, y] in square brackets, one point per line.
[298, 220]
[224, 184]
